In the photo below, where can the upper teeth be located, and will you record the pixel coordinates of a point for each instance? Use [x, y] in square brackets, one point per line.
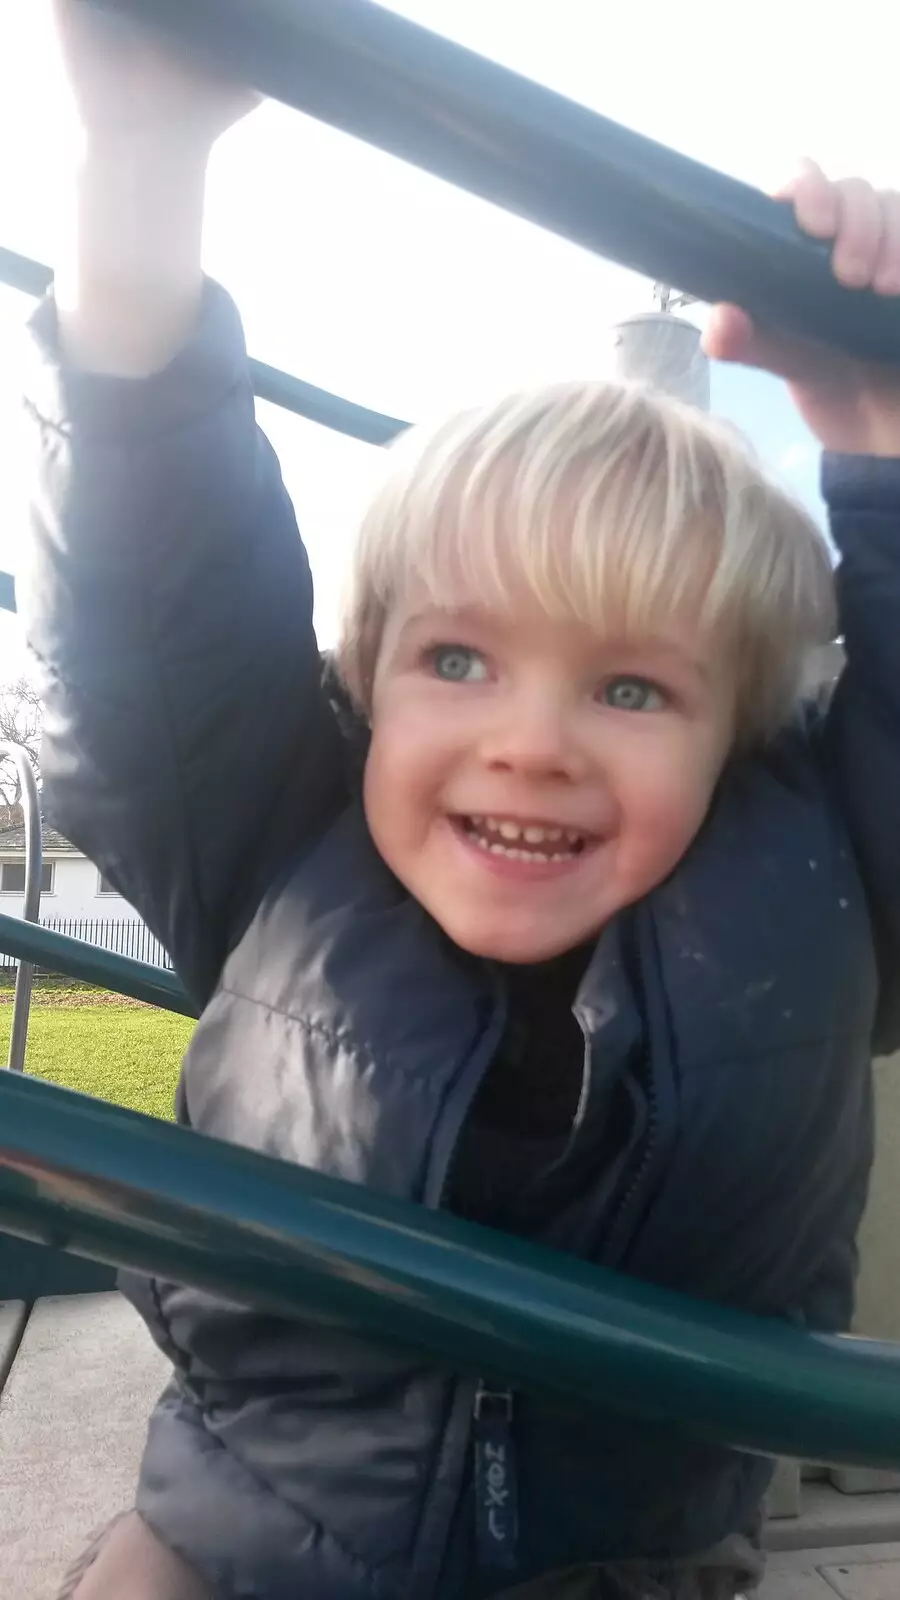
[529, 833]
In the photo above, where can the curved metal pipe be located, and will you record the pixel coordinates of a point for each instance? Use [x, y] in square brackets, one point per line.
[31, 806]
[99, 1181]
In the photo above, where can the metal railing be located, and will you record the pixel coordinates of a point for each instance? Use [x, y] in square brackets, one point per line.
[123, 936]
[96, 1180]
[31, 909]
[56, 952]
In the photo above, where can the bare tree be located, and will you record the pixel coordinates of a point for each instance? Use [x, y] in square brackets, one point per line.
[20, 723]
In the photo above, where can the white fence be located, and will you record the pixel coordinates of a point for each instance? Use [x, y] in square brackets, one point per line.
[125, 938]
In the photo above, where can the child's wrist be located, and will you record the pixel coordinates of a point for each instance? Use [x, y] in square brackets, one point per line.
[869, 424]
[148, 143]
[129, 276]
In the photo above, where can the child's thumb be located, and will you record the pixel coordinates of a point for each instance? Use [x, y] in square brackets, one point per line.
[731, 335]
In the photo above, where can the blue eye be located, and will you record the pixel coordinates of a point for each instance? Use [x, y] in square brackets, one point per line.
[633, 694]
[456, 663]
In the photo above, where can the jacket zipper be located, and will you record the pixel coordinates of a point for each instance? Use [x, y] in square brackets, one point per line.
[617, 1238]
[450, 1126]
[426, 1568]
[488, 1421]
[658, 1053]
[495, 1464]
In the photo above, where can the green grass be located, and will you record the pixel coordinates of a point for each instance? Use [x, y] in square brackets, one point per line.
[127, 1054]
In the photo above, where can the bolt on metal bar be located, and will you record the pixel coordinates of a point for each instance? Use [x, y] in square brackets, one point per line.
[100, 1181]
[405, 89]
[31, 909]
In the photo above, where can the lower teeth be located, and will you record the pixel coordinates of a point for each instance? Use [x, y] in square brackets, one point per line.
[520, 855]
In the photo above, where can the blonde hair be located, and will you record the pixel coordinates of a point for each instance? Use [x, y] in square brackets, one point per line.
[611, 504]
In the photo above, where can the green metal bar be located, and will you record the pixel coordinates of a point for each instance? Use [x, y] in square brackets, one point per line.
[96, 1180]
[402, 87]
[90, 964]
[321, 406]
[31, 909]
[269, 383]
[22, 273]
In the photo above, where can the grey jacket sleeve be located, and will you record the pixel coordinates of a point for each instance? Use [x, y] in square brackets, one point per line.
[167, 599]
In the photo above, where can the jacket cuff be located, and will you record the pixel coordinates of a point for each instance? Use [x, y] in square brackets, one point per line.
[208, 367]
[861, 483]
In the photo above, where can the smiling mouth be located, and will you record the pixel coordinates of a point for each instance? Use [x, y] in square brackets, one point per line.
[524, 841]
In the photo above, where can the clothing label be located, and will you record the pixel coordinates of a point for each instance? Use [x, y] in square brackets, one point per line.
[496, 1487]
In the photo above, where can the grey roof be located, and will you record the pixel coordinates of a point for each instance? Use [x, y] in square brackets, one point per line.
[12, 840]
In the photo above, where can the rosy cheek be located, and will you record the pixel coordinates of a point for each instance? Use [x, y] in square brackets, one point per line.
[661, 810]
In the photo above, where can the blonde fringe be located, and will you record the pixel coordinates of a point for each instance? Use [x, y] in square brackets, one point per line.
[606, 503]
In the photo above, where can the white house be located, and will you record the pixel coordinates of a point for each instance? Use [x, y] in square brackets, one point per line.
[75, 897]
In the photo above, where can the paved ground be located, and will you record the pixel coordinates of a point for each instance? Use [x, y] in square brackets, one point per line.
[72, 1418]
[860, 1572]
[77, 1386]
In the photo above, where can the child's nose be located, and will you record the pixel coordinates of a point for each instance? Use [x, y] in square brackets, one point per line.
[536, 740]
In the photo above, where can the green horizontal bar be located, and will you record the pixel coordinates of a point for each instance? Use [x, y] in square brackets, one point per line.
[518, 144]
[22, 273]
[88, 962]
[269, 383]
[321, 406]
[99, 1181]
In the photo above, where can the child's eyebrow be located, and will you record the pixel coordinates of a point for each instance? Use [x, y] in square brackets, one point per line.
[675, 653]
[657, 652]
[434, 615]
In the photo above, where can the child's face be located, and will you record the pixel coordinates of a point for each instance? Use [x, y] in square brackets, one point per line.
[526, 780]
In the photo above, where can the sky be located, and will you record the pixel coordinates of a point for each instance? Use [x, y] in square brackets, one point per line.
[365, 275]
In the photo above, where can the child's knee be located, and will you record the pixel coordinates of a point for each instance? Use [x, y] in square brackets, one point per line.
[128, 1562]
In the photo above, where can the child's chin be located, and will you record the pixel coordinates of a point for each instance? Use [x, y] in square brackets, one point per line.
[514, 947]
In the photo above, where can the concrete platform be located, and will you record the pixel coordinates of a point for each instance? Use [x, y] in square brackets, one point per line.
[73, 1413]
[828, 1518]
[855, 1572]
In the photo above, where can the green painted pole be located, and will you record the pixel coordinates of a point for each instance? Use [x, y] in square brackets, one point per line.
[102, 1182]
[475, 123]
[74, 958]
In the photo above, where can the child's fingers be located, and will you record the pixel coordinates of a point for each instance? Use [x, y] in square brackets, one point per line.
[729, 333]
[857, 243]
[886, 278]
[815, 201]
[861, 222]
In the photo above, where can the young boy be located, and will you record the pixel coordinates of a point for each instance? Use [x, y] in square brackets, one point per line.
[548, 905]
